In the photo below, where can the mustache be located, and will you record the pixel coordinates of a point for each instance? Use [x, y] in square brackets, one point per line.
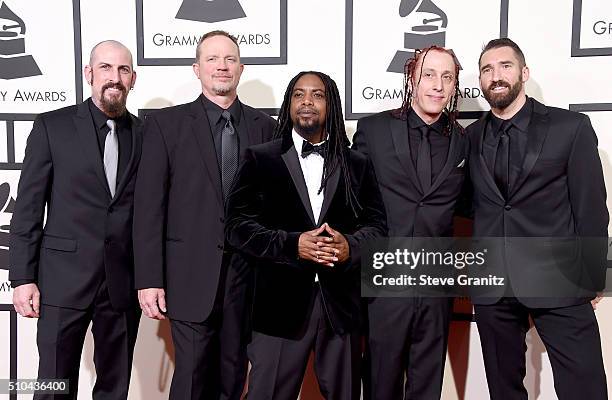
[114, 85]
[497, 84]
[312, 110]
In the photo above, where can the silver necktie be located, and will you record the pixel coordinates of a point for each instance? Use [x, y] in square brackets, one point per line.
[111, 156]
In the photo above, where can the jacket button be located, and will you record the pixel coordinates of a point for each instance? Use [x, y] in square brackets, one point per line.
[222, 220]
[111, 209]
[508, 207]
[421, 204]
[220, 246]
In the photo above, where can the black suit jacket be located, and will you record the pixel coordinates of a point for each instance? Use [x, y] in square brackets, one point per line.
[269, 208]
[179, 207]
[410, 211]
[87, 235]
[559, 193]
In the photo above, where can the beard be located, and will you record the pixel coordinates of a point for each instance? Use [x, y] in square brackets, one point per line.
[309, 128]
[500, 100]
[222, 90]
[113, 106]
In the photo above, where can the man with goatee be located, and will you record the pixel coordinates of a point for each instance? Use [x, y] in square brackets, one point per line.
[80, 164]
[538, 186]
[184, 269]
[302, 208]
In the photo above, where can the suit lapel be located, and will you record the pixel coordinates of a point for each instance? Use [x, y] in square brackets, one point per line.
[200, 128]
[451, 160]
[87, 135]
[330, 191]
[254, 129]
[399, 133]
[134, 158]
[484, 170]
[290, 158]
[538, 129]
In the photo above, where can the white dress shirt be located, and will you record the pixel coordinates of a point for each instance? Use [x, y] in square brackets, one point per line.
[312, 170]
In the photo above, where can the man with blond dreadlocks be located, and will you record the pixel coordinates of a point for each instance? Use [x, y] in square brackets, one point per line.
[418, 153]
[302, 207]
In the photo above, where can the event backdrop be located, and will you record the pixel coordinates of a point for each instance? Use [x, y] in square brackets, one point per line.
[362, 44]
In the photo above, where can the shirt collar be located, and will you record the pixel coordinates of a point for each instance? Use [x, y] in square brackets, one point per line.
[100, 118]
[214, 111]
[414, 121]
[520, 120]
[298, 141]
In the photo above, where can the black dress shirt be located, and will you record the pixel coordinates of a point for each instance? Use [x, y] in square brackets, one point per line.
[517, 132]
[217, 122]
[124, 135]
[438, 141]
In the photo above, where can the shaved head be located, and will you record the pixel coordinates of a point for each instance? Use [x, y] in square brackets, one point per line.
[109, 44]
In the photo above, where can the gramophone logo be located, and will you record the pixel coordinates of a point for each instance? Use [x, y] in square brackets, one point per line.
[14, 61]
[429, 29]
[210, 10]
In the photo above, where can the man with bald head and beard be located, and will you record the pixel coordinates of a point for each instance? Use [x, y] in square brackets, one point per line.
[76, 269]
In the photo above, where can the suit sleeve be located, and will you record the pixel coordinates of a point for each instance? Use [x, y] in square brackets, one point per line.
[372, 219]
[32, 196]
[150, 204]
[587, 193]
[360, 142]
[243, 229]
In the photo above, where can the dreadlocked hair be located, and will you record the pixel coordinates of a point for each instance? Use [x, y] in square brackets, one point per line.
[451, 109]
[337, 154]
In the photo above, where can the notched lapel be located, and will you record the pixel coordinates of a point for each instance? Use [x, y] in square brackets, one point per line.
[87, 135]
[399, 133]
[134, 158]
[200, 128]
[537, 132]
[484, 170]
[456, 143]
[290, 158]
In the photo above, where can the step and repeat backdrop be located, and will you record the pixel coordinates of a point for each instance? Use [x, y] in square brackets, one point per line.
[362, 44]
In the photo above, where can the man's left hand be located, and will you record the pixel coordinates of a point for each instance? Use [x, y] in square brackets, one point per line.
[336, 244]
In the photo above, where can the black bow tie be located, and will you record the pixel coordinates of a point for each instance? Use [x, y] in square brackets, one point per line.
[308, 148]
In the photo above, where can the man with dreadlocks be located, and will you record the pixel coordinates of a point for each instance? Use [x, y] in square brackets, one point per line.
[418, 153]
[301, 208]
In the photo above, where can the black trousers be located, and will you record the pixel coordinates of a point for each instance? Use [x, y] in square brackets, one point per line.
[278, 365]
[406, 348]
[60, 338]
[210, 356]
[570, 335]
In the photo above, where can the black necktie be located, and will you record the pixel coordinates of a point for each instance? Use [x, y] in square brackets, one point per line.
[424, 160]
[500, 170]
[229, 153]
[308, 148]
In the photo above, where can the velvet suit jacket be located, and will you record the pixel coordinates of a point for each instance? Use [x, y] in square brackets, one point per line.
[269, 208]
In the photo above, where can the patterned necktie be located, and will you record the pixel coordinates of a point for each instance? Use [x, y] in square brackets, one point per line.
[229, 153]
[111, 156]
[424, 160]
[500, 169]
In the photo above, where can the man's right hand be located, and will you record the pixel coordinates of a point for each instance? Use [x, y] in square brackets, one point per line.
[309, 250]
[153, 302]
[26, 299]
